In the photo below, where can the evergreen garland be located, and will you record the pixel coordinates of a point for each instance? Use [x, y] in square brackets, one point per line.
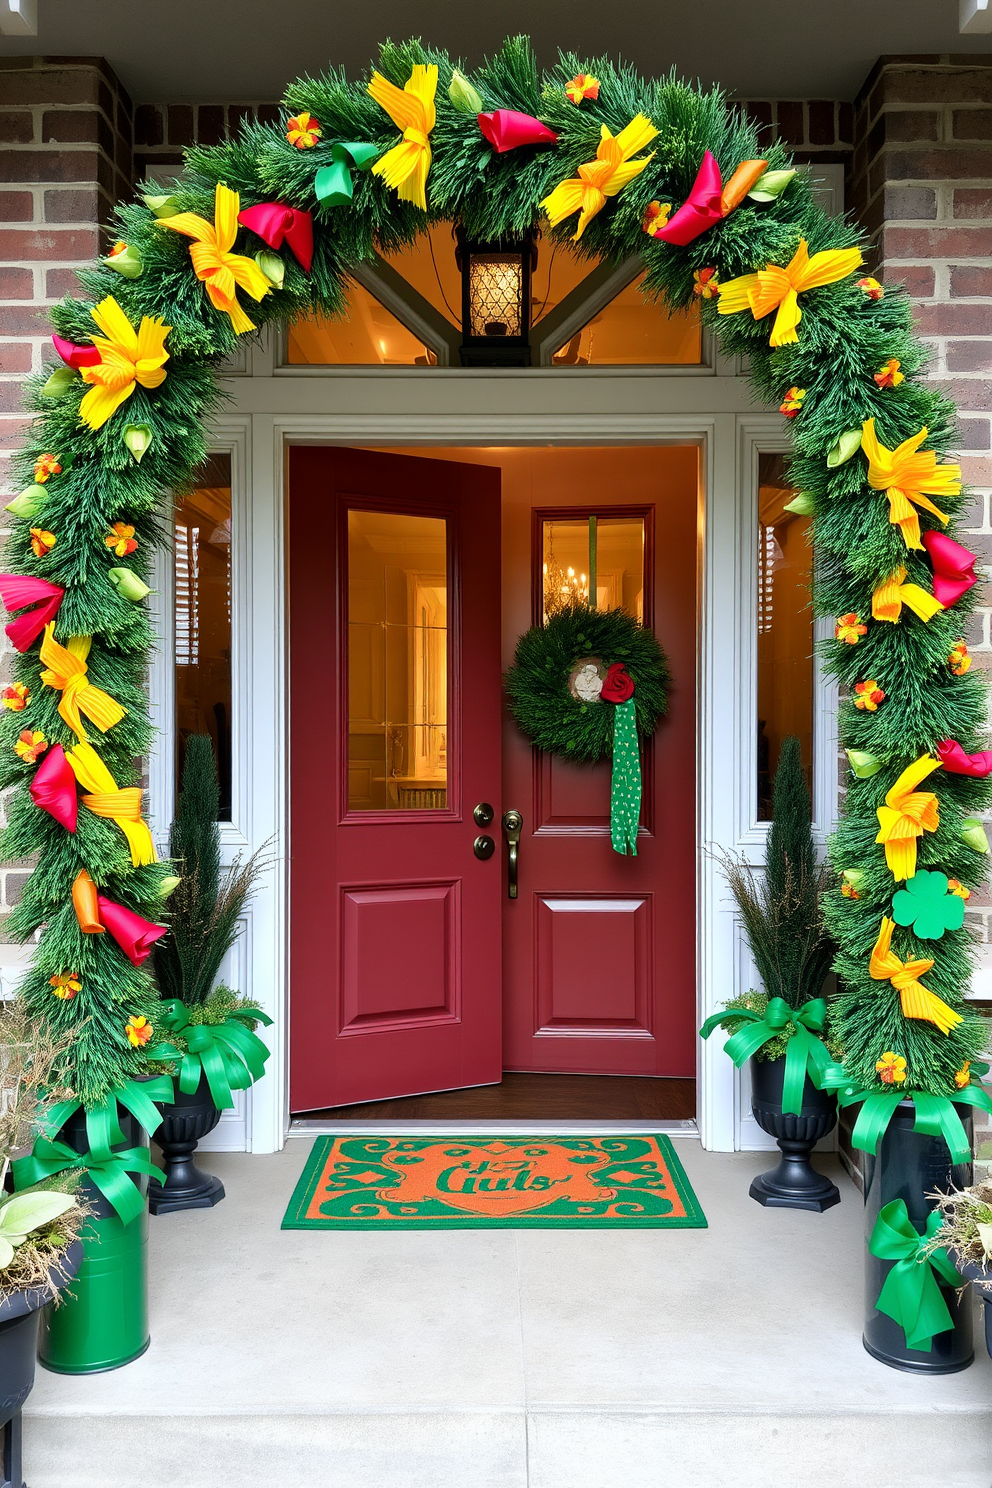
[845, 336]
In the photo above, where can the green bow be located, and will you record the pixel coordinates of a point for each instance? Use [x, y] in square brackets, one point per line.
[910, 1294]
[333, 183]
[935, 1114]
[805, 1053]
[103, 1129]
[230, 1055]
[108, 1171]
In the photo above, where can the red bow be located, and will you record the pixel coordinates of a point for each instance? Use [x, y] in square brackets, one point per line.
[18, 590]
[54, 788]
[134, 935]
[505, 129]
[701, 210]
[953, 567]
[275, 224]
[619, 685]
[953, 758]
[76, 356]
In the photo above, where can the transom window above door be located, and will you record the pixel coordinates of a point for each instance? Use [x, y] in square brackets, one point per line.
[406, 310]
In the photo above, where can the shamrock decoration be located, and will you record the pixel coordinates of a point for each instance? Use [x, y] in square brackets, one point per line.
[926, 905]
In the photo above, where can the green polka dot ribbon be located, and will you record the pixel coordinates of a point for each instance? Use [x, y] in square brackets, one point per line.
[625, 793]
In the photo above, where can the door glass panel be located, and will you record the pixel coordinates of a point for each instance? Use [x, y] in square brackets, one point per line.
[365, 335]
[597, 560]
[635, 332]
[785, 629]
[397, 662]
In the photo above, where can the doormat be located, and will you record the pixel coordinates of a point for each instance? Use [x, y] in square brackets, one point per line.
[478, 1183]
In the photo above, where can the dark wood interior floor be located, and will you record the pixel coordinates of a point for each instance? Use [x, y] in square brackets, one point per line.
[525, 1097]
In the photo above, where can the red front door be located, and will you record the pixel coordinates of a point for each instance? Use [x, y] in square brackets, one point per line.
[394, 568]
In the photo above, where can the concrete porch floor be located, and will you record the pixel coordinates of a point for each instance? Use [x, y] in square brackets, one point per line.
[513, 1359]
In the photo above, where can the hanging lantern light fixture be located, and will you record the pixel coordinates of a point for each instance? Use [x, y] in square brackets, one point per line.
[496, 300]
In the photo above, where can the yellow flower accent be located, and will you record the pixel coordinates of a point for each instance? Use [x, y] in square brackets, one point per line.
[872, 289]
[705, 284]
[29, 745]
[850, 629]
[303, 131]
[411, 108]
[792, 402]
[889, 375]
[888, 599]
[127, 356]
[138, 1031]
[121, 539]
[915, 1000]
[118, 248]
[15, 697]
[906, 815]
[775, 288]
[42, 541]
[603, 177]
[655, 215]
[583, 86]
[213, 262]
[959, 661]
[65, 670]
[954, 887]
[66, 986]
[962, 1077]
[868, 695]
[908, 476]
[891, 1068]
[44, 466]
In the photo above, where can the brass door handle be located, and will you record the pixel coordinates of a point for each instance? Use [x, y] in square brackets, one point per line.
[512, 827]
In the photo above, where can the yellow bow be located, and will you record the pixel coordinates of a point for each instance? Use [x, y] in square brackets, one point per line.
[127, 356]
[603, 177]
[66, 670]
[906, 815]
[776, 288]
[906, 475]
[214, 263]
[916, 1000]
[411, 109]
[121, 806]
[890, 596]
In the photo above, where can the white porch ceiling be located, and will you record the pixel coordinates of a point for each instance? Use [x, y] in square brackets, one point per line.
[248, 50]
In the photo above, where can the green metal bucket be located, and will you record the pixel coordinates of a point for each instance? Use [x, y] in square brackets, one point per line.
[103, 1320]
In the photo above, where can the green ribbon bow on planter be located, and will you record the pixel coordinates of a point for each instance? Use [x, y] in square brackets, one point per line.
[103, 1129]
[230, 1055]
[109, 1171]
[805, 1052]
[935, 1114]
[333, 183]
[910, 1293]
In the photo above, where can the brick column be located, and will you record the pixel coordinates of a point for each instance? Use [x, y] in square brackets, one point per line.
[65, 159]
[922, 185]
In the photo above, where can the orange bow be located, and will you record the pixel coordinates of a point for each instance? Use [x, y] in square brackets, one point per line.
[906, 815]
[603, 177]
[890, 596]
[775, 288]
[213, 262]
[907, 475]
[916, 1000]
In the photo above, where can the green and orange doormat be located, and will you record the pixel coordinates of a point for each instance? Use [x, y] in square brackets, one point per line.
[494, 1182]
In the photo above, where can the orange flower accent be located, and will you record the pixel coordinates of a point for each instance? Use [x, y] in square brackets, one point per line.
[705, 283]
[583, 86]
[849, 891]
[962, 1077]
[792, 402]
[42, 541]
[138, 1031]
[891, 1068]
[868, 696]
[303, 131]
[850, 629]
[44, 466]
[959, 661]
[656, 214]
[872, 289]
[121, 539]
[954, 887]
[15, 697]
[889, 375]
[118, 248]
[30, 745]
[66, 986]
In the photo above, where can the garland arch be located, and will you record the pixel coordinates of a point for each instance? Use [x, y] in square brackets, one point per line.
[619, 165]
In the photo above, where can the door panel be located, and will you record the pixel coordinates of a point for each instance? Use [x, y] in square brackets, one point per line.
[394, 738]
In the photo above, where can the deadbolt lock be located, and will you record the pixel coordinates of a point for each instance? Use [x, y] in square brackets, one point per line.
[483, 814]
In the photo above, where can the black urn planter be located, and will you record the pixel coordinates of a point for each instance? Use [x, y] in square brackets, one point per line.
[20, 1315]
[982, 1277]
[184, 1123]
[908, 1166]
[795, 1183]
